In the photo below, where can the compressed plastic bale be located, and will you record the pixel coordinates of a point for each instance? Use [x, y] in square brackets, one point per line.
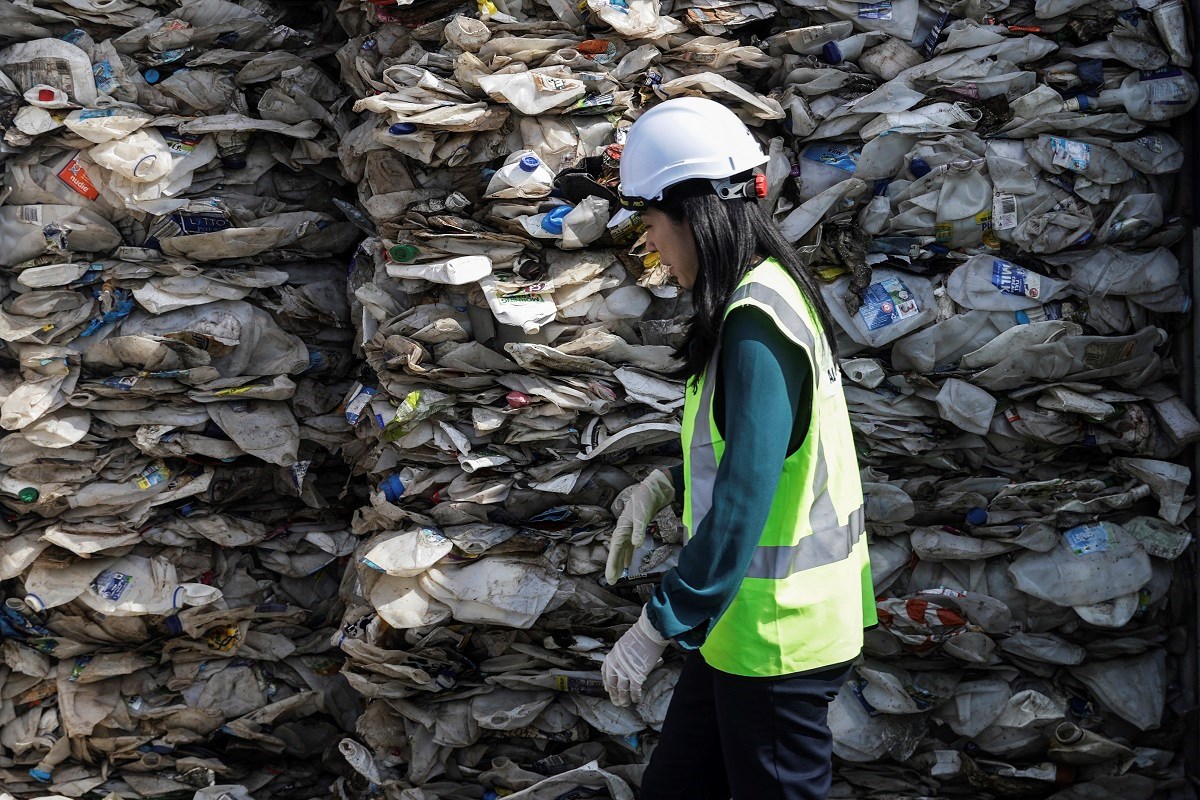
[417, 145]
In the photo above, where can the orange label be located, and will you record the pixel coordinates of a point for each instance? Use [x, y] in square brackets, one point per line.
[593, 47]
[75, 176]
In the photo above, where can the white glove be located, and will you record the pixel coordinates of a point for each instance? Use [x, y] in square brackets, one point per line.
[626, 667]
[645, 501]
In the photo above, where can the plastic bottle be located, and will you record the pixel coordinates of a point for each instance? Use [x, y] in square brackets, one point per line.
[1091, 563]
[894, 304]
[889, 59]
[847, 49]
[964, 206]
[894, 17]
[1171, 22]
[1134, 218]
[527, 311]
[142, 156]
[1149, 96]
[48, 586]
[1155, 153]
[534, 92]
[467, 33]
[101, 125]
[453, 202]
[1058, 154]
[232, 147]
[808, 40]
[135, 585]
[548, 225]
[987, 283]
[523, 176]
[825, 164]
[1074, 745]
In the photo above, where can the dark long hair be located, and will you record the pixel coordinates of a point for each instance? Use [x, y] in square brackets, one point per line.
[732, 238]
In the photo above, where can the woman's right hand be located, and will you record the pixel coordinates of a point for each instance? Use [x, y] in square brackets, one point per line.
[648, 498]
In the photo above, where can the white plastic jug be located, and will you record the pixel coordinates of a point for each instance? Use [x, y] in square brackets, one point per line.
[1151, 96]
[964, 206]
[825, 164]
[987, 283]
[523, 175]
[1092, 563]
[894, 304]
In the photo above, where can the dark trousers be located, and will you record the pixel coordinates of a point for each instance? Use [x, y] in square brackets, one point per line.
[746, 738]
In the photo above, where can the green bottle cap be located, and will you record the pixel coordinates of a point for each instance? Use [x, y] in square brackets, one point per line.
[28, 495]
[403, 253]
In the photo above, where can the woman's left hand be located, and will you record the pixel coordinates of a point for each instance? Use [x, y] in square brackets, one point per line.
[629, 663]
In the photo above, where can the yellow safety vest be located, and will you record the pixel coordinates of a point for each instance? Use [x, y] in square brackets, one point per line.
[807, 595]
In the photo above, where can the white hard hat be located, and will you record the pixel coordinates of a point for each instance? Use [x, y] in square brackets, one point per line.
[686, 138]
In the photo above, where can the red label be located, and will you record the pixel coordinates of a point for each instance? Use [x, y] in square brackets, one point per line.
[74, 175]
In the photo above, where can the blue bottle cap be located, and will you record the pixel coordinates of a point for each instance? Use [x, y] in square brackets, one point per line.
[553, 221]
[392, 488]
[919, 168]
[530, 163]
[40, 775]
[831, 53]
[152, 76]
[977, 516]
[401, 128]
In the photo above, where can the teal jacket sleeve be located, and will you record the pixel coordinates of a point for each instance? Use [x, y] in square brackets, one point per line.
[762, 406]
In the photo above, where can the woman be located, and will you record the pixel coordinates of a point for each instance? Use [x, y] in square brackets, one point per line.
[773, 588]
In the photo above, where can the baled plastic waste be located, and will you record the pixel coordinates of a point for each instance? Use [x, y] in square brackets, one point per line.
[331, 354]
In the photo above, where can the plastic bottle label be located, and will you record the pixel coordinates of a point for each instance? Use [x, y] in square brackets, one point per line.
[76, 177]
[354, 407]
[1011, 279]
[1153, 143]
[1069, 154]
[944, 231]
[180, 143]
[878, 10]
[1165, 90]
[1087, 539]
[935, 34]
[97, 113]
[152, 476]
[588, 686]
[835, 155]
[549, 83]
[124, 384]
[1004, 211]
[111, 585]
[887, 302]
[1099, 355]
[103, 74]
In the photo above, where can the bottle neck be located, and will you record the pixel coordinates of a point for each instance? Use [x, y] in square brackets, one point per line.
[1108, 98]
